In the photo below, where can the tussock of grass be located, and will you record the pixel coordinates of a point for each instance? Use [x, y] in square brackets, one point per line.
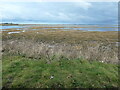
[28, 73]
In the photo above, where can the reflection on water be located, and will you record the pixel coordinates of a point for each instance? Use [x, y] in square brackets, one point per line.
[86, 29]
[8, 27]
[65, 27]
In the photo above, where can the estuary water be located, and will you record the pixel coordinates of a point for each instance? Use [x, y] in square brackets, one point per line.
[66, 27]
[8, 27]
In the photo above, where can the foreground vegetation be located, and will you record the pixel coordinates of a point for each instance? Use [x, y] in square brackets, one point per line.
[21, 72]
[53, 58]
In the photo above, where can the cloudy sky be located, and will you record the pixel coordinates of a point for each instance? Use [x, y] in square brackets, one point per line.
[60, 12]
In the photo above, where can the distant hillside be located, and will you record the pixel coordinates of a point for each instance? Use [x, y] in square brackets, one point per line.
[7, 24]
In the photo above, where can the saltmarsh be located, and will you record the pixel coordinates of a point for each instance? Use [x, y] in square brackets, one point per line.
[91, 45]
[53, 58]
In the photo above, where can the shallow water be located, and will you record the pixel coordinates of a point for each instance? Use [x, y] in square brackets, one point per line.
[8, 27]
[67, 27]
[13, 32]
[84, 29]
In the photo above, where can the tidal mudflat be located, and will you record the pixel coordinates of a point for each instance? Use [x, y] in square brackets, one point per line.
[60, 55]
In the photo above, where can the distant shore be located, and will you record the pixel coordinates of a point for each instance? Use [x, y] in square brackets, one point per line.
[8, 24]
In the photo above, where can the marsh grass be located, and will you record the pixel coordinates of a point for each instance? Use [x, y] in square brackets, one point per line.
[100, 46]
[99, 52]
[72, 36]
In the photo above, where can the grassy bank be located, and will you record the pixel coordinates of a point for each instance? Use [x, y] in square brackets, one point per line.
[24, 72]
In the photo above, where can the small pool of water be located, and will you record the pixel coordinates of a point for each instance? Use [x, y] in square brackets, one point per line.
[13, 32]
[8, 27]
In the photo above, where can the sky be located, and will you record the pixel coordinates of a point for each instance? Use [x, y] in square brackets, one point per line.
[59, 12]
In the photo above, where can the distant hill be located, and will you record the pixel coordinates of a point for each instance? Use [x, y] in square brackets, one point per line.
[7, 24]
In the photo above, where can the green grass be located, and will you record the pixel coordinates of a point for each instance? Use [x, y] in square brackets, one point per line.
[28, 73]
